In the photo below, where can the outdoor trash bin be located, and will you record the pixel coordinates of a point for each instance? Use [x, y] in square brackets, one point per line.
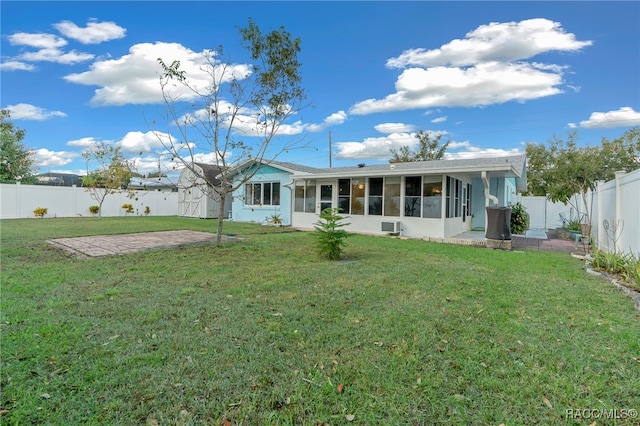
[498, 223]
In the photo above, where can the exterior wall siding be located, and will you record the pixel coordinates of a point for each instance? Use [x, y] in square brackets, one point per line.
[254, 213]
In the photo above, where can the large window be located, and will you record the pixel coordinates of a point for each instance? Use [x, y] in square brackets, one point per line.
[412, 196]
[375, 196]
[344, 195]
[392, 196]
[305, 197]
[262, 194]
[351, 196]
[453, 197]
[432, 197]
[357, 196]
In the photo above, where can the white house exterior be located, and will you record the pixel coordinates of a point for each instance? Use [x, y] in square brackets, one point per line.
[196, 197]
[441, 198]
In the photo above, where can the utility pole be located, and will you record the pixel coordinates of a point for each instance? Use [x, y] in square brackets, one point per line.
[329, 149]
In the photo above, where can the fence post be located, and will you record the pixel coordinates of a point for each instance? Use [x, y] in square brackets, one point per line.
[618, 208]
[18, 200]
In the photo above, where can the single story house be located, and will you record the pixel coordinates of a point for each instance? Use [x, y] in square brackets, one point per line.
[439, 199]
[58, 179]
[196, 196]
[161, 184]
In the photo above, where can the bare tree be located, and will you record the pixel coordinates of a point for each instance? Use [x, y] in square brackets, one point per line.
[238, 114]
[112, 173]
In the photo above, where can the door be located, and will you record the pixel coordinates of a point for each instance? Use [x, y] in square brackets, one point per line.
[326, 197]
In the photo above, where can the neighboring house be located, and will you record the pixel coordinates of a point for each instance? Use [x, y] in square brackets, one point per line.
[58, 179]
[440, 199]
[196, 198]
[161, 184]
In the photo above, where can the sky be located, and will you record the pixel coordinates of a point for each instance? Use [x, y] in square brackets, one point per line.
[489, 77]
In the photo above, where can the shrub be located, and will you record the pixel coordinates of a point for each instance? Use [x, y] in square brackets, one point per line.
[572, 225]
[94, 209]
[128, 208]
[40, 212]
[275, 219]
[330, 238]
[627, 266]
[147, 210]
[519, 219]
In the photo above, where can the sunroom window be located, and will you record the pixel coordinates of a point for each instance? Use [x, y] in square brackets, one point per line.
[412, 195]
[305, 197]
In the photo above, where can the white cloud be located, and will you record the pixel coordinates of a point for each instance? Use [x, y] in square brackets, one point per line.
[475, 152]
[134, 78]
[374, 147]
[142, 142]
[488, 67]
[504, 42]
[83, 142]
[485, 84]
[31, 112]
[394, 128]
[44, 158]
[457, 145]
[439, 120]
[334, 119]
[49, 49]
[39, 41]
[379, 148]
[624, 117]
[93, 33]
[56, 56]
[13, 65]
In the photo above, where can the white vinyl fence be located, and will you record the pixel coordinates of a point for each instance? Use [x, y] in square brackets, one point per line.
[19, 201]
[615, 213]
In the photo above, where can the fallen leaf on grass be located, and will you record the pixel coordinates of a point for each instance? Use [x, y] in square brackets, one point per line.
[226, 422]
[340, 387]
[350, 417]
[45, 396]
[547, 402]
[378, 344]
[151, 421]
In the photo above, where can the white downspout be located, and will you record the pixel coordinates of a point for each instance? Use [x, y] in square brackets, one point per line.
[487, 195]
[487, 198]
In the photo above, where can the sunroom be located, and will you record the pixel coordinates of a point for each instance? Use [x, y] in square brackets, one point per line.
[440, 199]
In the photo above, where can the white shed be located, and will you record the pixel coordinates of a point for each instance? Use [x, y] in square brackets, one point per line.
[196, 197]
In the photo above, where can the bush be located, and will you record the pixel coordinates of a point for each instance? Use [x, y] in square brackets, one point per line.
[147, 210]
[94, 209]
[627, 266]
[330, 239]
[40, 212]
[572, 225]
[519, 219]
[128, 208]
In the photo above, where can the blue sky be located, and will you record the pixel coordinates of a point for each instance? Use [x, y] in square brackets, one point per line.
[488, 76]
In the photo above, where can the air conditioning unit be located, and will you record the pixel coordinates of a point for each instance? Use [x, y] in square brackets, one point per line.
[393, 227]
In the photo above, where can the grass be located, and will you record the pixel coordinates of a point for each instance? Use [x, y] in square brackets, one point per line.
[265, 331]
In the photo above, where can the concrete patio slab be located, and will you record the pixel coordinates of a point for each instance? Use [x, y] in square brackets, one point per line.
[108, 245]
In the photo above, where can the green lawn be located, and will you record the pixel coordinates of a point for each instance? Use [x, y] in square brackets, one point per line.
[264, 331]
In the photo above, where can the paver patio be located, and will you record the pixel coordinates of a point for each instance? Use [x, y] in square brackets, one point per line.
[107, 245]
